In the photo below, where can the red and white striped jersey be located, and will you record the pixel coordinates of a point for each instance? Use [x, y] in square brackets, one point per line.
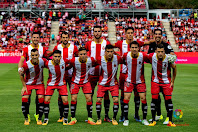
[34, 73]
[124, 48]
[67, 53]
[81, 70]
[56, 73]
[108, 76]
[27, 51]
[95, 51]
[135, 67]
[161, 69]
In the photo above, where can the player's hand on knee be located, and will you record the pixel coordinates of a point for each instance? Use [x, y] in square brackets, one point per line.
[24, 89]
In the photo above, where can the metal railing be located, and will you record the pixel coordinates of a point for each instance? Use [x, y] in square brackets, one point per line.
[44, 6]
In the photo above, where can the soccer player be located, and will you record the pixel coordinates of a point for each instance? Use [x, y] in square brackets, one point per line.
[57, 68]
[68, 51]
[33, 70]
[27, 56]
[124, 47]
[168, 50]
[81, 66]
[161, 78]
[108, 81]
[96, 48]
[134, 61]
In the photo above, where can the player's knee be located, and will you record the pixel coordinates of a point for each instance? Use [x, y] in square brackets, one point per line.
[47, 99]
[88, 99]
[74, 99]
[64, 99]
[143, 98]
[126, 97]
[115, 99]
[99, 100]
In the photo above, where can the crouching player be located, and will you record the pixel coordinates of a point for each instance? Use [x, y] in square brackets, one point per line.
[134, 60]
[81, 66]
[108, 81]
[56, 80]
[161, 78]
[33, 70]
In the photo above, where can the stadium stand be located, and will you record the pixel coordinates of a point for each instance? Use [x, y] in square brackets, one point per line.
[139, 4]
[81, 30]
[16, 34]
[143, 29]
[186, 34]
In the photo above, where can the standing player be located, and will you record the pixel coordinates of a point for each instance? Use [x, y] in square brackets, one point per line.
[108, 81]
[168, 50]
[124, 47]
[81, 66]
[33, 70]
[134, 61]
[96, 48]
[161, 78]
[27, 56]
[68, 51]
[56, 80]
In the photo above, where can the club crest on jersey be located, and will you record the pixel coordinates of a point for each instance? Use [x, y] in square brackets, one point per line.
[62, 67]
[103, 47]
[114, 65]
[70, 51]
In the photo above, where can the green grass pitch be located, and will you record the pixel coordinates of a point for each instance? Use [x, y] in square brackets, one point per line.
[11, 118]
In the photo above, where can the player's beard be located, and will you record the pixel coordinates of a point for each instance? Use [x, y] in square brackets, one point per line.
[158, 39]
[35, 61]
[65, 42]
[35, 42]
[97, 36]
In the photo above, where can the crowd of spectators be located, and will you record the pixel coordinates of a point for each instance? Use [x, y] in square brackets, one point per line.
[81, 30]
[124, 4]
[186, 34]
[16, 33]
[143, 29]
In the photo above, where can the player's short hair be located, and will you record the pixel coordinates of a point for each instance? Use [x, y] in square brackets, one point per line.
[82, 48]
[126, 29]
[134, 42]
[97, 27]
[65, 33]
[34, 50]
[160, 46]
[109, 47]
[158, 30]
[56, 52]
[39, 33]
